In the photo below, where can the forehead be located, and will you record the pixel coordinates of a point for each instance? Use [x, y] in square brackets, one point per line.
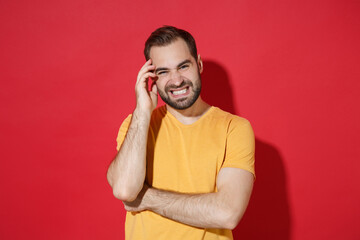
[170, 55]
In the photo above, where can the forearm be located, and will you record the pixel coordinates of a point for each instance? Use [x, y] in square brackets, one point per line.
[126, 173]
[208, 210]
[221, 209]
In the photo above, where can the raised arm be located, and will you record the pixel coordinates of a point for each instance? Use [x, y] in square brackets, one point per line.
[221, 209]
[126, 172]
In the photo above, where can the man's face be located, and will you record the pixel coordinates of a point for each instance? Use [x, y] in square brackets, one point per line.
[178, 82]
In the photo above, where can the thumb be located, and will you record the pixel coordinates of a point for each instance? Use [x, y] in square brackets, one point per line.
[154, 88]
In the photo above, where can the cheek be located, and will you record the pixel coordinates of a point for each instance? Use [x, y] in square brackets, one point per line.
[160, 84]
[191, 75]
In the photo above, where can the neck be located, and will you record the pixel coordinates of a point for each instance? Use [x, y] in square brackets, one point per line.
[191, 114]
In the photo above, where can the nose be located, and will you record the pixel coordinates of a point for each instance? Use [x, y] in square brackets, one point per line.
[176, 78]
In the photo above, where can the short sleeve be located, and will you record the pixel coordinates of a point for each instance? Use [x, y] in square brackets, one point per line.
[240, 146]
[122, 131]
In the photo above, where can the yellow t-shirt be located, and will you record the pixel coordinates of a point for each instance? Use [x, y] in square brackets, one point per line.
[187, 159]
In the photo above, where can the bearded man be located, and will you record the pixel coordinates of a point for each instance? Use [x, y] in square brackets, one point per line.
[184, 170]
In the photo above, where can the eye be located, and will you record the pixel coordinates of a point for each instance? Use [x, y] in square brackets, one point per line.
[161, 73]
[185, 66]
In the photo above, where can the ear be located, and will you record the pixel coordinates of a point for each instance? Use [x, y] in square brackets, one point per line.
[200, 64]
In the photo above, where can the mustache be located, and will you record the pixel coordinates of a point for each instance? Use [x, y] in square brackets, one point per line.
[183, 84]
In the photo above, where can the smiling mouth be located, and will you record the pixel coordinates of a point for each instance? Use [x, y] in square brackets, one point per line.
[179, 92]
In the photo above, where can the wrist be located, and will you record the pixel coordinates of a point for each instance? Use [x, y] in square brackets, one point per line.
[149, 199]
[143, 115]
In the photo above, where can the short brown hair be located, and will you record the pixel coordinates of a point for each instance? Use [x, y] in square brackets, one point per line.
[167, 34]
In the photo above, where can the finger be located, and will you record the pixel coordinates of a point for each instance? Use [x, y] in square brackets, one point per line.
[154, 88]
[145, 77]
[154, 79]
[145, 68]
[147, 63]
[150, 68]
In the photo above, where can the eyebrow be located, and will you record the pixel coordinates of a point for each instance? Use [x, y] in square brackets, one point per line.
[179, 65]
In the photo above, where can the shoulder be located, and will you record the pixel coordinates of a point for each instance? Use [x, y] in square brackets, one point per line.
[230, 119]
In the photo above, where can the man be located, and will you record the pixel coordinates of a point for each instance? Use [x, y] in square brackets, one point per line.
[184, 170]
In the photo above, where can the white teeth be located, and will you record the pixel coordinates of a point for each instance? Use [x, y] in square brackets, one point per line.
[179, 92]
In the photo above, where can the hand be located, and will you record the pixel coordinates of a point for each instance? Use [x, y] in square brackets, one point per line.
[139, 204]
[146, 100]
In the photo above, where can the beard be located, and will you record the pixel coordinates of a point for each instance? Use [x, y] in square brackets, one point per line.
[182, 103]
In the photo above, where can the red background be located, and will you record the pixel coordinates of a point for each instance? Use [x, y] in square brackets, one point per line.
[67, 71]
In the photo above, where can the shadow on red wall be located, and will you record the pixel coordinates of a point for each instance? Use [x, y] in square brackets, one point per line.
[268, 213]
